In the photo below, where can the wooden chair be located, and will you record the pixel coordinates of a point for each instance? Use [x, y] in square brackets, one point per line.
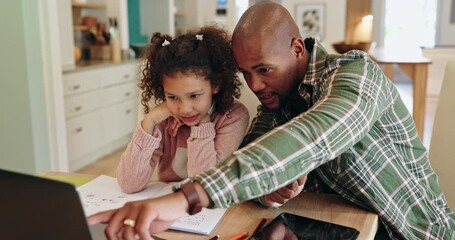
[442, 150]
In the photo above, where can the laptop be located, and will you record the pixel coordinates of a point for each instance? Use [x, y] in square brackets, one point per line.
[37, 208]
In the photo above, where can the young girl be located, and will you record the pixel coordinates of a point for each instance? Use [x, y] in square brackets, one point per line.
[196, 122]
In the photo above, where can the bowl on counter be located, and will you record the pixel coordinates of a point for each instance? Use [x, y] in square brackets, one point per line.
[342, 47]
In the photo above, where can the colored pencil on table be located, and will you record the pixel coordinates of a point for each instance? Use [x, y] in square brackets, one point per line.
[215, 237]
[239, 236]
[259, 226]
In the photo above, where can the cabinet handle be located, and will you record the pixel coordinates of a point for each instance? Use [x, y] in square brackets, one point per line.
[127, 94]
[77, 109]
[78, 130]
[76, 87]
[128, 111]
[126, 76]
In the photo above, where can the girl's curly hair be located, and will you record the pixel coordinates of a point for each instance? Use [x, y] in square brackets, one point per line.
[210, 57]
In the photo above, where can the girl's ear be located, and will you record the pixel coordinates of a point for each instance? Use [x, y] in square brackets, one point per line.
[216, 90]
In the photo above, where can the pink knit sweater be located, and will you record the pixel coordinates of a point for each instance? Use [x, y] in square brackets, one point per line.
[193, 149]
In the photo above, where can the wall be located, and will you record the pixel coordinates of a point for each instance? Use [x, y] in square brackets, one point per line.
[378, 11]
[157, 16]
[446, 32]
[23, 139]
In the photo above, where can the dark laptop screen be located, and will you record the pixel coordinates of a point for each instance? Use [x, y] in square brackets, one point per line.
[38, 208]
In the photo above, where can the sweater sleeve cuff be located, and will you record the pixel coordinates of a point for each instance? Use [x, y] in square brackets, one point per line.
[203, 130]
[144, 139]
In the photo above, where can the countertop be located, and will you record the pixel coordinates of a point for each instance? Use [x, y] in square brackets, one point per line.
[95, 64]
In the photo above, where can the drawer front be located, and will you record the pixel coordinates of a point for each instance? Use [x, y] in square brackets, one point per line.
[79, 82]
[128, 91]
[119, 74]
[119, 119]
[120, 93]
[128, 117]
[110, 95]
[82, 103]
[83, 135]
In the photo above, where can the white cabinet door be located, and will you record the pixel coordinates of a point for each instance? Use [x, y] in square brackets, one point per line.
[119, 120]
[83, 134]
[127, 117]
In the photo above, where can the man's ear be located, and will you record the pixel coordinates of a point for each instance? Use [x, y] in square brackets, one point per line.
[298, 47]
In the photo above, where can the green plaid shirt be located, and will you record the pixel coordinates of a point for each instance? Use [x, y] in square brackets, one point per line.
[358, 137]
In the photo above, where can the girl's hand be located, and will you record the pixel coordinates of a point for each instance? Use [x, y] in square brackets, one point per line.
[173, 126]
[155, 116]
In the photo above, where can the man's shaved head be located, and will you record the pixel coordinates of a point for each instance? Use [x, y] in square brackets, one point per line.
[266, 21]
[270, 53]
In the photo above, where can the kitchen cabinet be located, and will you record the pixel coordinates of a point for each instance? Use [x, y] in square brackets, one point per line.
[77, 9]
[101, 105]
[72, 30]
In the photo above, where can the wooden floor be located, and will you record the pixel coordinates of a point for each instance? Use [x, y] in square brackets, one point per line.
[108, 164]
[104, 166]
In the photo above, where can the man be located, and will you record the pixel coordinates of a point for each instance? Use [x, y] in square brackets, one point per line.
[335, 114]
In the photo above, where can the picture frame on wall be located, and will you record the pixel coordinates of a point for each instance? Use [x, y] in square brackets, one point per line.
[310, 18]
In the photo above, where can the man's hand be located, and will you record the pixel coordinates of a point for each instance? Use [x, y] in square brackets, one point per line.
[282, 195]
[147, 216]
[150, 216]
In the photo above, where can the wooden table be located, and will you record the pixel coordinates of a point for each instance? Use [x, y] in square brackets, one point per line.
[326, 207]
[245, 216]
[412, 62]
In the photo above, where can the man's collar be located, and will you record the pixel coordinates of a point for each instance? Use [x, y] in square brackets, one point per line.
[316, 65]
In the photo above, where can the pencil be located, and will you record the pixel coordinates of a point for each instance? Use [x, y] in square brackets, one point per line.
[215, 237]
[239, 236]
[259, 226]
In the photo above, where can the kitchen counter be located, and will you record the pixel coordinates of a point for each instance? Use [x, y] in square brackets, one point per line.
[95, 64]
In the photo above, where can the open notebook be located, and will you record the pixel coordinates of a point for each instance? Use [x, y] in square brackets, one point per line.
[103, 193]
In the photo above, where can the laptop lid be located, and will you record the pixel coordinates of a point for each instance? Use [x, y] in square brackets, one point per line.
[38, 208]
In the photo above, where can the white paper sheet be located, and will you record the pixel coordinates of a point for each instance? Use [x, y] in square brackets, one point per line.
[103, 193]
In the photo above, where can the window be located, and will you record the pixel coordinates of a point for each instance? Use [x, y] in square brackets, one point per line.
[410, 23]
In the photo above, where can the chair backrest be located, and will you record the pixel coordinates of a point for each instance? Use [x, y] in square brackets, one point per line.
[439, 57]
[442, 151]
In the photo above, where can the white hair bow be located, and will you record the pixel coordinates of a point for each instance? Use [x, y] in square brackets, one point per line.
[165, 43]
